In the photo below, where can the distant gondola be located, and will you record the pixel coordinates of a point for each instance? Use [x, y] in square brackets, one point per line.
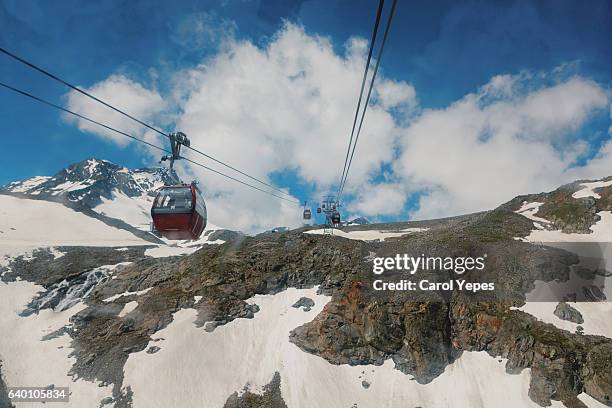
[335, 218]
[179, 212]
[307, 214]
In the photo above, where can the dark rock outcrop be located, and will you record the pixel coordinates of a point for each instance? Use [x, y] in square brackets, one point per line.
[270, 398]
[305, 303]
[566, 312]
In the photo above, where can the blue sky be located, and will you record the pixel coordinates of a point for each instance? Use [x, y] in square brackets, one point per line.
[444, 52]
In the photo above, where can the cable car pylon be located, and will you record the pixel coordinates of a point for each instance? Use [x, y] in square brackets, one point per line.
[331, 208]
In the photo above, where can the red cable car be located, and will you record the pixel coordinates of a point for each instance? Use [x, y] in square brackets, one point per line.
[179, 212]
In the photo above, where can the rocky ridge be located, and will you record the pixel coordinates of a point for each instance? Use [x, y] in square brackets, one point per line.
[421, 334]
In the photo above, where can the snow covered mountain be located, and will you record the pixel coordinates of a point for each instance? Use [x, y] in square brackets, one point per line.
[285, 319]
[106, 188]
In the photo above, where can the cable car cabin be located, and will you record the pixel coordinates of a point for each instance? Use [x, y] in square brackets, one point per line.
[335, 218]
[307, 214]
[179, 212]
[318, 210]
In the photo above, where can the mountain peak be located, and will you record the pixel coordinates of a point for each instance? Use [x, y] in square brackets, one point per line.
[92, 180]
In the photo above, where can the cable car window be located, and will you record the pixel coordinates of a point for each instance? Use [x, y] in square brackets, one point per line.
[174, 199]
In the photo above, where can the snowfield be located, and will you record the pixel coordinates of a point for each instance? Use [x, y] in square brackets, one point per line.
[136, 211]
[27, 360]
[247, 352]
[597, 316]
[29, 224]
[368, 235]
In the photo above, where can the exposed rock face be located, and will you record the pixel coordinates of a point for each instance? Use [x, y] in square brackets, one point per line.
[566, 312]
[598, 374]
[305, 303]
[43, 268]
[226, 235]
[270, 398]
[565, 212]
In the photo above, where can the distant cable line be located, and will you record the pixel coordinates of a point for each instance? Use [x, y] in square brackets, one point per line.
[236, 170]
[240, 181]
[380, 52]
[381, 3]
[45, 102]
[89, 95]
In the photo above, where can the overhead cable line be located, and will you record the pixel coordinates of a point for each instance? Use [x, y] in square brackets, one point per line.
[363, 81]
[89, 95]
[380, 52]
[45, 102]
[76, 88]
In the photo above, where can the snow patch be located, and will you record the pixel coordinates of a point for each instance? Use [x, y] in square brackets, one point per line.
[135, 211]
[27, 360]
[56, 253]
[529, 210]
[601, 231]
[128, 308]
[590, 401]
[588, 190]
[138, 293]
[26, 185]
[597, 316]
[368, 235]
[249, 351]
[184, 247]
[71, 186]
[91, 166]
[162, 251]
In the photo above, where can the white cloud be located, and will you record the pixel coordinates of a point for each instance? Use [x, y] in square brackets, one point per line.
[124, 94]
[478, 153]
[380, 199]
[288, 107]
